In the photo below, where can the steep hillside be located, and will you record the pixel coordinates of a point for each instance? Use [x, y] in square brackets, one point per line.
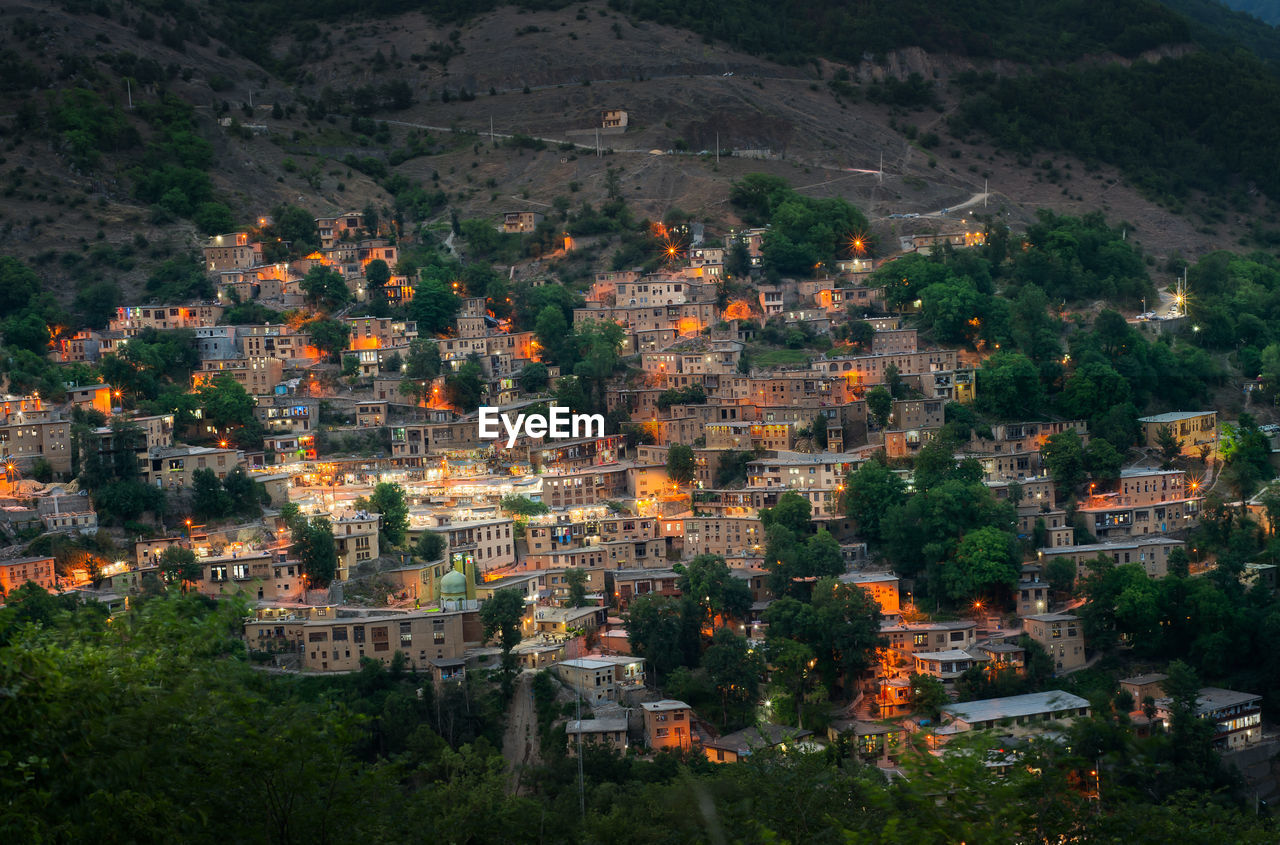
[1264, 10]
[98, 194]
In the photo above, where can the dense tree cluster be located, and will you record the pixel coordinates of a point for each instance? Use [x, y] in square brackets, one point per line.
[804, 232]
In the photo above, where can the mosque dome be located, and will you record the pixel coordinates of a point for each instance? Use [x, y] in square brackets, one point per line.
[453, 585]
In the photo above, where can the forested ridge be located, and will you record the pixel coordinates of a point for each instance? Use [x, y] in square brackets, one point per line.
[154, 728]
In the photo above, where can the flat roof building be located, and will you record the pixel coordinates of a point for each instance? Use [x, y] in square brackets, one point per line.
[1019, 713]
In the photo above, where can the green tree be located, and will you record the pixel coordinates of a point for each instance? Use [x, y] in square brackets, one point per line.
[577, 581]
[709, 582]
[483, 239]
[298, 227]
[244, 495]
[659, 631]
[434, 305]
[792, 668]
[26, 331]
[1168, 444]
[1009, 387]
[1063, 454]
[732, 468]
[734, 669]
[928, 695]
[314, 547]
[1092, 390]
[465, 387]
[533, 377]
[822, 556]
[18, 284]
[388, 500]
[1191, 737]
[178, 565]
[792, 512]
[523, 506]
[213, 218]
[376, 276]
[225, 403]
[1061, 574]
[681, 464]
[880, 404]
[552, 332]
[737, 261]
[209, 500]
[984, 563]
[871, 492]
[1246, 452]
[570, 394]
[1102, 460]
[325, 288]
[430, 546]
[598, 356]
[329, 336]
[422, 363]
[501, 614]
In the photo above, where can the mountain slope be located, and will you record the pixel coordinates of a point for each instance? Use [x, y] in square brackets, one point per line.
[393, 112]
[1263, 10]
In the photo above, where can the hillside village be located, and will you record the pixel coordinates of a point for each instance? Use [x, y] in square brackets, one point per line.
[329, 473]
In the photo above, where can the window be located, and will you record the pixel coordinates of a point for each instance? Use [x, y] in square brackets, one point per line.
[339, 634]
[957, 636]
[406, 633]
[662, 732]
[240, 571]
[317, 637]
[217, 573]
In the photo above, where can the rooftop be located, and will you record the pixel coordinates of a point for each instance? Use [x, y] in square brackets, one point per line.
[563, 614]
[760, 736]
[952, 654]
[1175, 416]
[628, 574]
[867, 577]
[1148, 678]
[586, 663]
[1110, 547]
[995, 709]
[664, 705]
[927, 626]
[1053, 617]
[1212, 699]
[510, 581]
[591, 726]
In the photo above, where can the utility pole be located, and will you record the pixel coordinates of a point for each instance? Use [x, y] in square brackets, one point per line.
[717, 148]
[597, 142]
[985, 191]
[491, 141]
[129, 88]
[881, 176]
[582, 795]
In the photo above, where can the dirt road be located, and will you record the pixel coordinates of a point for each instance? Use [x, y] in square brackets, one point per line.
[520, 743]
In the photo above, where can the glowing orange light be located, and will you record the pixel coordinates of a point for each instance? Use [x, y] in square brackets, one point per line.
[858, 244]
[738, 309]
